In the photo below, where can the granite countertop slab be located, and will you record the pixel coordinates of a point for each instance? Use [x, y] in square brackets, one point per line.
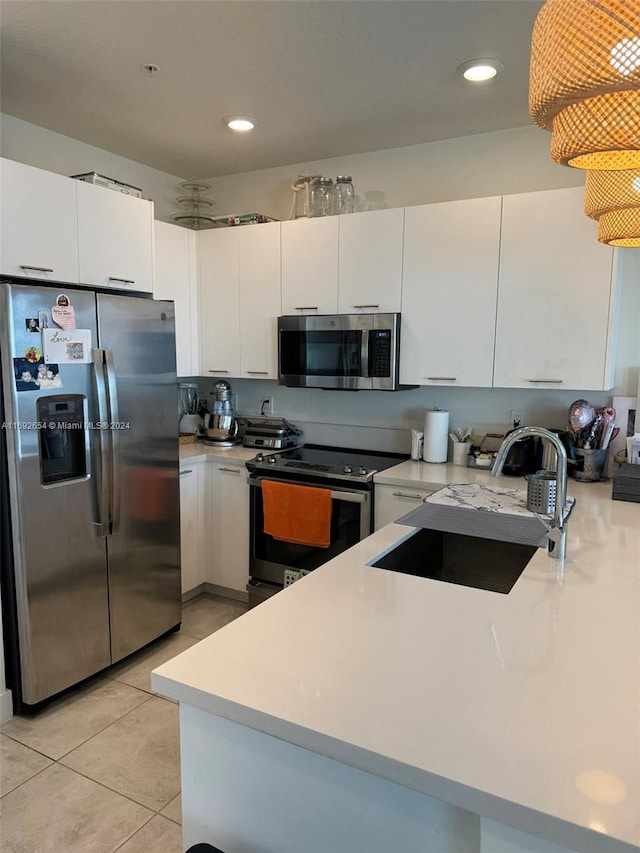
[486, 511]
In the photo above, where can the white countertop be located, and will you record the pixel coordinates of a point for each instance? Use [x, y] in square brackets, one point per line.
[524, 708]
[200, 452]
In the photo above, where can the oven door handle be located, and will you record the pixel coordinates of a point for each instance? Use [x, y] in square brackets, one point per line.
[337, 495]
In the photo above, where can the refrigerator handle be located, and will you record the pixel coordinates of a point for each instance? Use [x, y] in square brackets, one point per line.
[114, 418]
[102, 525]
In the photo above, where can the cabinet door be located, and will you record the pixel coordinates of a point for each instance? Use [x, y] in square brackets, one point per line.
[174, 277]
[115, 239]
[370, 261]
[229, 520]
[39, 223]
[555, 295]
[391, 502]
[190, 532]
[259, 272]
[310, 266]
[219, 302]
[449, 291]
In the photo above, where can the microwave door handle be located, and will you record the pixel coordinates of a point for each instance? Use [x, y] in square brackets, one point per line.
[114, 418]
[364, 353]
[103, 479]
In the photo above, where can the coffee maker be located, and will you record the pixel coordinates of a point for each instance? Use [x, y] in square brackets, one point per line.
[221, 425]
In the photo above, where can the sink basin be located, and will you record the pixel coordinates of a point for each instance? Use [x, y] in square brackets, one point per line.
[455, 558]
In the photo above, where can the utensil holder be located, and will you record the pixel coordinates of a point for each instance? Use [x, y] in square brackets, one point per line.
[541, 492]
[589, 464]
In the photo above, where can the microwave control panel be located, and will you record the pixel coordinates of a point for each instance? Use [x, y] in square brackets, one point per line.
[380, 352]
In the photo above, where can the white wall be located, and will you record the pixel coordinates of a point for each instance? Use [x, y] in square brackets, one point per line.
[500, 163]
[45, 149]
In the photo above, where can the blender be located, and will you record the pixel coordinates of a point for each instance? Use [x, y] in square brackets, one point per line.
[190, 420]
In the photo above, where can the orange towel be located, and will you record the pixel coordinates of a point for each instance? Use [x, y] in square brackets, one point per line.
[300, 514]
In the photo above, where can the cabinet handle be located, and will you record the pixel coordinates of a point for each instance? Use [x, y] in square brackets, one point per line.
[549, 381]
[186, 471]
[405, 495]
[306, 308]
[231, 470]
[442, 378]
[123, 280]
[218, 371]
[366, 306]
[38, 269]
[258, 372]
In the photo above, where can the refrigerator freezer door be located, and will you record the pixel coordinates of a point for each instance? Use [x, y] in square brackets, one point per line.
[137, 336]
[61, 616]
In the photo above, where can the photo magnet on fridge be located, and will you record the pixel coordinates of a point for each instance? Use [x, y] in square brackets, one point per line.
[35, 376]
[32, 324]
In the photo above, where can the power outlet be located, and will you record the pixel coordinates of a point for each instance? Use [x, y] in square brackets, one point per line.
[266, 406]
[516, 417]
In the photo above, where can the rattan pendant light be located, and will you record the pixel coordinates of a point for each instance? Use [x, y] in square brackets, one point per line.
[613, 198]
[584, 82]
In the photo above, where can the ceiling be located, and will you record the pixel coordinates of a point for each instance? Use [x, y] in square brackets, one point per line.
[324, 78]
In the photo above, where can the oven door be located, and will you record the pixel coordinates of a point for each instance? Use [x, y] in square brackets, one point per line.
[269, 557]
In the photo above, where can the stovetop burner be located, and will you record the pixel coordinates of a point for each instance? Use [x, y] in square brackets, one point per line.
[315, 462]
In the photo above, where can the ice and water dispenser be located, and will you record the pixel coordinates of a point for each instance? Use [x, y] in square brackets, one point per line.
[63, 438]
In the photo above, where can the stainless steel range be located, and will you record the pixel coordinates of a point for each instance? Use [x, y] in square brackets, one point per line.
[346, 474]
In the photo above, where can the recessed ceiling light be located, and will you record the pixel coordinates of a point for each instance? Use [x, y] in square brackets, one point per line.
[241, 124]
[478, 70]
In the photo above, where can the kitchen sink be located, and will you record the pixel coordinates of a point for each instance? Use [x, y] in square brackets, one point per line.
[454, 558]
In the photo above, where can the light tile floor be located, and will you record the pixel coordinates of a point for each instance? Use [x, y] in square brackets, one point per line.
[98, 770]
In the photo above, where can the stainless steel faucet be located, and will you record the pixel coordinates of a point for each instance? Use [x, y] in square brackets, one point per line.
[557, 535]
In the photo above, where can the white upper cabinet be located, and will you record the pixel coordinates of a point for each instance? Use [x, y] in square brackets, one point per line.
[370, 261]
[449, 291]
[555, 298]
[310, 266]
[175, 277]
[220, 301]
[115, 239]
[259, 277]
[39, 223]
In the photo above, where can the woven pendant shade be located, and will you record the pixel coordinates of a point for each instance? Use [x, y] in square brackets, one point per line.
[600, 133]
[605, 192]
[584, 81]
[620, 227]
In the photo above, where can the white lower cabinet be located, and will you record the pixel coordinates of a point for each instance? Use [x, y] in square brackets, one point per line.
[227, 522]
[192, 527]
[393, 501]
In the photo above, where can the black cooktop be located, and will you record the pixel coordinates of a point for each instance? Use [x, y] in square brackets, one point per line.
[317, 462]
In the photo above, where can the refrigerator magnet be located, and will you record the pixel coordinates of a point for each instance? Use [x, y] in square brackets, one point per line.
[32, 324]
[35, 376]
[62, 312]
[32, 354]
[43, 319]
[68, 346]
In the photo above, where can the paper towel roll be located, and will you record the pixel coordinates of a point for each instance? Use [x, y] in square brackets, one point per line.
[436, 435]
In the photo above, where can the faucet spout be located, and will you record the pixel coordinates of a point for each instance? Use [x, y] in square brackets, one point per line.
[558, 531]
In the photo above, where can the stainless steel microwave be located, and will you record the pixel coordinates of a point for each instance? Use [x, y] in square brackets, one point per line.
[350, 352]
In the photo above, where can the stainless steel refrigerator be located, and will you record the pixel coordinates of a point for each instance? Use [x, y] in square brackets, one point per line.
[89, 478]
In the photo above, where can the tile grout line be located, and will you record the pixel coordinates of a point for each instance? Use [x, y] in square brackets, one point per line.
[6, 794]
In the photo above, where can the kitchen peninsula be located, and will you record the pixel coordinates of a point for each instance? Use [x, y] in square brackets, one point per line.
[366, 710]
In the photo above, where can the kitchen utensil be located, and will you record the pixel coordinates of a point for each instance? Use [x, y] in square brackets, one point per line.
[581, 414]
[590, 464]
[541, 492]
